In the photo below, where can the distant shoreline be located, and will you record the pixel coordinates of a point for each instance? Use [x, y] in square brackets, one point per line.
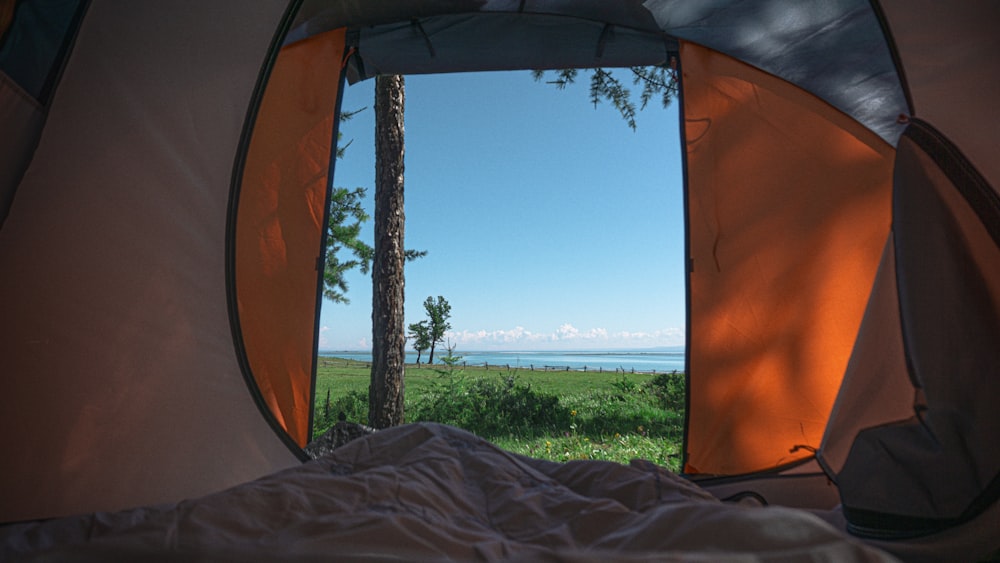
[635, 360]
[595, 352]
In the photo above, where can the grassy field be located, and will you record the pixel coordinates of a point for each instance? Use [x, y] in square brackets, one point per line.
[557, 415]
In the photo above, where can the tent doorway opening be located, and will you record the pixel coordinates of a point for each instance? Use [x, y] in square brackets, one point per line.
[554, 230]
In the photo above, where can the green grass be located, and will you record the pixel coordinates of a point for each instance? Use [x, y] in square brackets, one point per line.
[556, 415]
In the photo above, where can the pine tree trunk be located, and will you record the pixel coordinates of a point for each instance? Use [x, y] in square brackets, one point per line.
[385, 394]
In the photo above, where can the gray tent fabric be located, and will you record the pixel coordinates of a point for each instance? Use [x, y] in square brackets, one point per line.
[786, 38]
[947, 52]
[122, 384]
[941, 466]
[33, 47]
[519, 42]
[789, 38]
[32, 53]
[23, 118]
[878, 350]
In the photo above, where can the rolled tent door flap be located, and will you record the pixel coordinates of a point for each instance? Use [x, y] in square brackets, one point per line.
[939, 466]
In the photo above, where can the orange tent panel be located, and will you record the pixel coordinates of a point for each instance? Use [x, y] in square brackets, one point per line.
[280, 225]
[779, 277]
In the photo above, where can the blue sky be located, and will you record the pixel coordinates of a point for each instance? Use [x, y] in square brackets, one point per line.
[549, 224]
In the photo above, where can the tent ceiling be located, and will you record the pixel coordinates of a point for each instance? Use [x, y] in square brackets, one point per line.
[833, 49]
[517, 42]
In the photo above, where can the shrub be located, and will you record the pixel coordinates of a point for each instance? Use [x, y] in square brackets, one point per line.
[490, 406]
[354, 405]
[671, 391]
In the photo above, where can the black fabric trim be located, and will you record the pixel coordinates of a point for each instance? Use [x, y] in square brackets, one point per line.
[777, 472]
[234, 198]
[689, 264]
[746, 494]
[879, 525]
[897, 61]
[821, 461]
[969, 182]
[415, 23]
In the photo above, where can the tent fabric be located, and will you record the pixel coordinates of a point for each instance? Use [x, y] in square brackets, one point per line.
[834, 49]
[33, 39]
[6, 16]
[279, 226]
[864, 401]
[948, 55]
[152, 225]
[764, 369]
[33, 45]
[939, 466]
[121, 382]
[540, 40]
[428, 492]
[22, 117]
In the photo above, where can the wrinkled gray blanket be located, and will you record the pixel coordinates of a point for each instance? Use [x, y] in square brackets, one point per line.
[427, 492]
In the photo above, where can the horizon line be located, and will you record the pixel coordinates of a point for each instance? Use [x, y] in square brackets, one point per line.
[668, 348]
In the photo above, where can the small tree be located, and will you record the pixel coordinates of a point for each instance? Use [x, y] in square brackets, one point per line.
[421, 338]
[438, 313]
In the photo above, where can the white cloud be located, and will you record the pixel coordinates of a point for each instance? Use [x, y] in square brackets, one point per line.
[565, 337]
[566, 331]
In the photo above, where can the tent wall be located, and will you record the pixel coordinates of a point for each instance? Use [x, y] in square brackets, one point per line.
[34, 45]
[909, 441]
[279, 226]
[121, 383]
[865, 401]
[939, 466]
[788, 213]
[154, 287]
[948, 52]
[34, 39]
[22, 118]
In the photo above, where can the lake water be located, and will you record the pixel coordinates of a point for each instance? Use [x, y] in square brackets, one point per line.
[629, 361]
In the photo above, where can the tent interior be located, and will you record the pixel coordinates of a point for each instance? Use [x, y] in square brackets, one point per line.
[164, 179]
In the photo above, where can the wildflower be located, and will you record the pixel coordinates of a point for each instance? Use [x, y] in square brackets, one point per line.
[572, 412]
